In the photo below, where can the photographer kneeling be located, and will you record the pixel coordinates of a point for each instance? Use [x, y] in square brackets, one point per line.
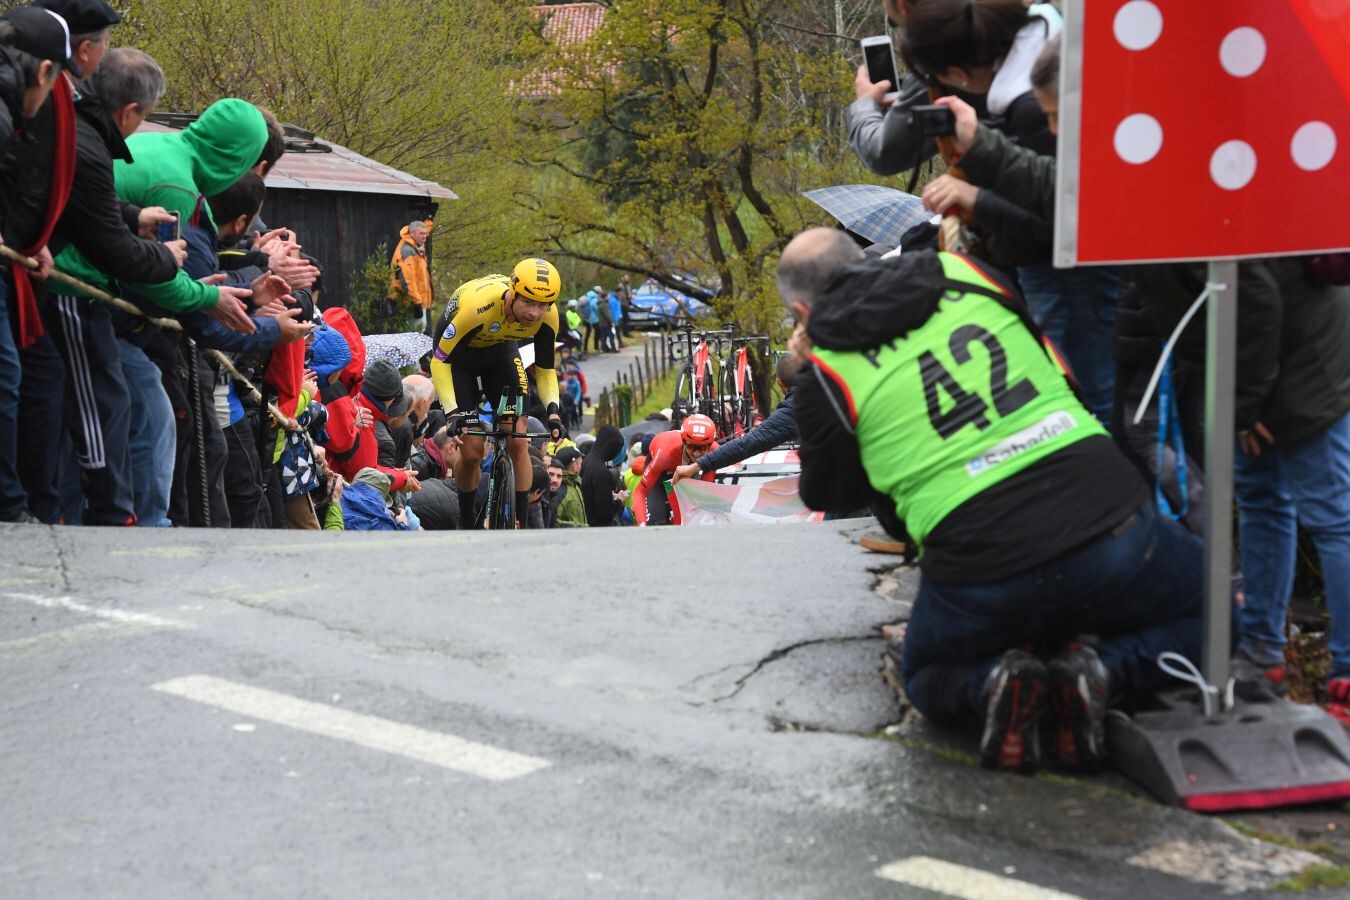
[930, 391]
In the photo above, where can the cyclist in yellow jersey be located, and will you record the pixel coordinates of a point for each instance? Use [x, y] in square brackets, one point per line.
[477, 357]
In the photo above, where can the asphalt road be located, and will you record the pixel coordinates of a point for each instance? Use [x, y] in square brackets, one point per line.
[602, 371]
[691, 713]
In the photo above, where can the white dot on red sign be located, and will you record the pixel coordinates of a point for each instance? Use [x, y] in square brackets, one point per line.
[1242, 52]
[1313, 146]
[1233, 165]
[1138, 138]
[1137, 25]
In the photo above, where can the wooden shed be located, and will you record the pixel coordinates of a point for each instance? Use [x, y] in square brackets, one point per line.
[342, 205]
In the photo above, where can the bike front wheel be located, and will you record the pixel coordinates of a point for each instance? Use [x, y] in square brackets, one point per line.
[501, 493]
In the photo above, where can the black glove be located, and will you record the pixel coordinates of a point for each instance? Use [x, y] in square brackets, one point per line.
[556, 427]
[456, 424]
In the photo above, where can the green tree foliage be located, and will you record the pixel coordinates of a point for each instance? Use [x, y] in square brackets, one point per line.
[685, 130]
[421, 85]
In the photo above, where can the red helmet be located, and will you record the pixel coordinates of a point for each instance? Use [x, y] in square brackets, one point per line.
[698, 430]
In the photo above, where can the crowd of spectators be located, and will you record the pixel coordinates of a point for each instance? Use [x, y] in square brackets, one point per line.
[598, 320]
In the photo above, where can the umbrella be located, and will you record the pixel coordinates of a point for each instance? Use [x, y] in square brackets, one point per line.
[880, 214]
[400, 349]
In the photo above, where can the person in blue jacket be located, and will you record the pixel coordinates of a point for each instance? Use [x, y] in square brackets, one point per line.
[590, 317]
[616, 319]
[365, 503]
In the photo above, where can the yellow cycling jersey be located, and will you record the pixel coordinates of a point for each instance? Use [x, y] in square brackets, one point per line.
[474, 319]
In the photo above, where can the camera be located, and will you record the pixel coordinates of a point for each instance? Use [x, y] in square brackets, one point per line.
[933, 121]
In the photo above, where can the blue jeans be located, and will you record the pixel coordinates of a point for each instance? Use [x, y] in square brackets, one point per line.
[1076, 309]
[13, 500]
[1275, 491]
[1141, 589]
[154, 436]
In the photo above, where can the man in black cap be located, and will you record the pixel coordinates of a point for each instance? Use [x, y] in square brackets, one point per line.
[32, 46]
[88, 21]
[35, 191]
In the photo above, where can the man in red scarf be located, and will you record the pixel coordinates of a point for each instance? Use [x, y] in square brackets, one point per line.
[38, 125]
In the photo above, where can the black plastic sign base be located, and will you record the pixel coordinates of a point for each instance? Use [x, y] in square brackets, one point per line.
[1253, 756]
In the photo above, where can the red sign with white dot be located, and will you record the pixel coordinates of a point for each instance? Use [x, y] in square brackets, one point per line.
[1212, 129]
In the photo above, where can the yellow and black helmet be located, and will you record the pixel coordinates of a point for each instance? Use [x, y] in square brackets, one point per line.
[536, 280]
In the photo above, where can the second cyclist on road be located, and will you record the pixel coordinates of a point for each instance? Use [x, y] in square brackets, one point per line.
[669, 450]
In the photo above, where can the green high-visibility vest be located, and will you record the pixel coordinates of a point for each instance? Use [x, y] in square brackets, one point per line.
[962, 402]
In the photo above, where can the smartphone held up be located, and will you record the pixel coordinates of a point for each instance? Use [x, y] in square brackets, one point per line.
[167, 231]
[879, 57]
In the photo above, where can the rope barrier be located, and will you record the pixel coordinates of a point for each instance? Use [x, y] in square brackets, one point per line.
[134, 310]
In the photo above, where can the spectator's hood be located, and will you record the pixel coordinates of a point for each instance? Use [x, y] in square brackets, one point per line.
[226, 141]
[608, 442]
[874, 300]
[330, 351]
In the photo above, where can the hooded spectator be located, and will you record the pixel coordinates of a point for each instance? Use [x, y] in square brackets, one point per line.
[365, 503]
[600, 486]
[172, 170]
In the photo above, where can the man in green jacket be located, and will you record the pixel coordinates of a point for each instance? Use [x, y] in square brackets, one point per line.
[173, 170]
[566, 509]
[929, 394]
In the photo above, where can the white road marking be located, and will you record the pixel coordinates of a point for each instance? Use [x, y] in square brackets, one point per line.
[966, 883]
[102, 612]
[433, 747]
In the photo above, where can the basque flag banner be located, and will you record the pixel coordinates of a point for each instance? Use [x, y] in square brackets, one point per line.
[764, 502]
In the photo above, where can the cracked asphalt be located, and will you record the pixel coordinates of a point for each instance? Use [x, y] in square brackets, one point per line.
[706, 706]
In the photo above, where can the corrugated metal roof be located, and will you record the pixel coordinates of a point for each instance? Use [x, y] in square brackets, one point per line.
[316, 165]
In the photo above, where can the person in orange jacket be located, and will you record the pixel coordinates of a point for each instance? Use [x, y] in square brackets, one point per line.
[409, 270]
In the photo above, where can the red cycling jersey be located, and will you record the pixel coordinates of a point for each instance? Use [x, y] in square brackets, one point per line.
[667, 453]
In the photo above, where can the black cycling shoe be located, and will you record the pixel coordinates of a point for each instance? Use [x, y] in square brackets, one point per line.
[1080, 688]
[1015, 701]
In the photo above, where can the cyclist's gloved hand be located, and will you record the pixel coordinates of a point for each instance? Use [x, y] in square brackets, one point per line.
[556, 427]
[456, 424]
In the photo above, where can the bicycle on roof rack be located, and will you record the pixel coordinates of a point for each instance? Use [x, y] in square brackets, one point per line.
[739, 396]
[696, 387]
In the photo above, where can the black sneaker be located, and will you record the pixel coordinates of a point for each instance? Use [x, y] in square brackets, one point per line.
[1080, 688]
[1015, 701]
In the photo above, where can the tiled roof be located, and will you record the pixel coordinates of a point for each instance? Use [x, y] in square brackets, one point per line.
[570, 23]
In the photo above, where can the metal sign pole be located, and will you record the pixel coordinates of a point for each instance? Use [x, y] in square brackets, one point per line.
[1220, 381]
